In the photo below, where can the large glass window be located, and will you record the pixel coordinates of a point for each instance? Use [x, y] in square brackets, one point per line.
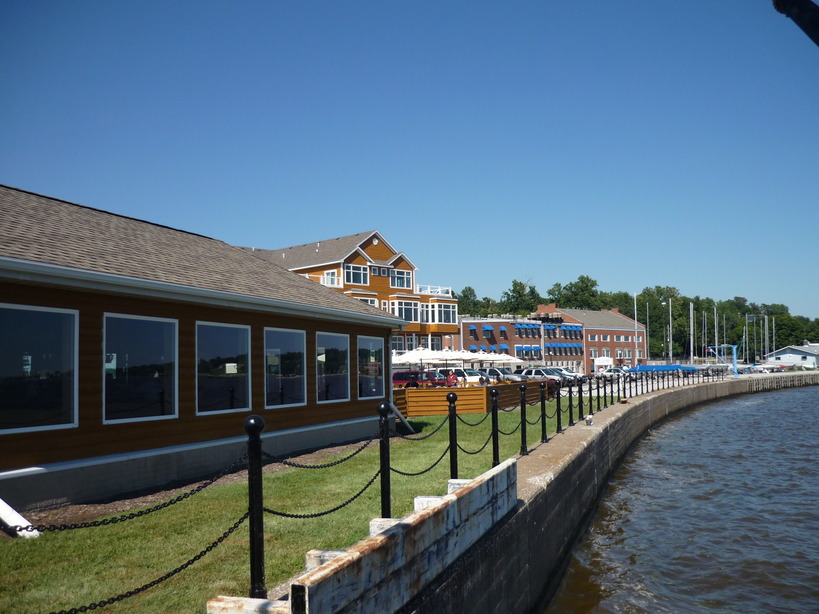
[332, 367]
[222, 354]
[140, 368]
[357, 274]
[285, 360]
[38, 368]
[407, 310]
[448, 314]
[370, 367]
[400, 279]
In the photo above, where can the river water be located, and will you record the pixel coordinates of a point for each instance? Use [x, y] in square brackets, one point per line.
[715, 510]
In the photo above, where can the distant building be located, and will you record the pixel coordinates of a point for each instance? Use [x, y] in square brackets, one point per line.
[506, 334]
[366, 267]
[607, 338]
[800, 356]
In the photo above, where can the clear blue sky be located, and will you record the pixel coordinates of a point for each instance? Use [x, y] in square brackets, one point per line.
[671, 143]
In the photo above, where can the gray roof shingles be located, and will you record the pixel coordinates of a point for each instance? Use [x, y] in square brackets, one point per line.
[46, 230]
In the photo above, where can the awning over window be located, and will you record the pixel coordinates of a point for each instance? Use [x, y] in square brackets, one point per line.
[503, 346]
[473, 347]
[473, 327]
[487, 327]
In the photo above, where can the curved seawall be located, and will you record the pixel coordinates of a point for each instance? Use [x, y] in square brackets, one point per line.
[518, 564]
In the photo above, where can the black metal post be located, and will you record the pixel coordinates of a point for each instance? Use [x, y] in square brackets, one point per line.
[571, 413]
[591, 398]
[598, 394]
[453, 436]
[383, 409]
[524, 449]
[543, 435]
[580, 401]
[495, 443]
[558, 410]
[254, 425]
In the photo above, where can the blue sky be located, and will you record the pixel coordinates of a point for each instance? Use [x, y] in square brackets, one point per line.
[671, 143]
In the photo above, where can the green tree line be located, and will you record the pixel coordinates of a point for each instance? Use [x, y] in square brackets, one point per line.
[522, 298]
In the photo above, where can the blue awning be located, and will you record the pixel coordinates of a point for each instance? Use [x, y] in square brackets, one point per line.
[492, 348]
[473, 327]
[503, 346]
[487, 327]
[503, 328]
[483, 347]
[473, 347]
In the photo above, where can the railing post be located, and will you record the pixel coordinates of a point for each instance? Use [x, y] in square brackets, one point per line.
[558, 410]
[571, 408]
[543, 435]
[524, 449]
[591, 398]
[598, 394]
[580, 401]
[383, 409]
[495, 443]
[254, 425]
[453, 436]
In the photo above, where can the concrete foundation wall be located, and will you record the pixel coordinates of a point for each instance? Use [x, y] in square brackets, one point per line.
[106, 477]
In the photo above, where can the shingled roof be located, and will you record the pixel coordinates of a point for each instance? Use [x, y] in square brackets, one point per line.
[324, 252]
[40, 235]
[601, 319]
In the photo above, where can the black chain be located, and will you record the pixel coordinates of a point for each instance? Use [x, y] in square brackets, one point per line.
[330, 511]
[422, 437]
[533, 423]
[138, 514]
[170, 574]
[427, 470]
[479, 450]
[478, 423]
[335, 463]
[512, 432]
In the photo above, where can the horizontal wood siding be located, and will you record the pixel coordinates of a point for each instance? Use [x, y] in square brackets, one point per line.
[93, 438]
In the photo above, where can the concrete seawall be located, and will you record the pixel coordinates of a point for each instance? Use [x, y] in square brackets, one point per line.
[519, 563]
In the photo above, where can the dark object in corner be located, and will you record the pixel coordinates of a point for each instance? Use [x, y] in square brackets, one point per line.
[804, 14]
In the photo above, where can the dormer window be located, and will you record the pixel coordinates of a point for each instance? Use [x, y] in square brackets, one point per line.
[400, 279]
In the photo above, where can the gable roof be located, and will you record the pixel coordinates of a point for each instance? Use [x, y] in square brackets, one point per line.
[601, 319]
[326, 252]
[53, 241]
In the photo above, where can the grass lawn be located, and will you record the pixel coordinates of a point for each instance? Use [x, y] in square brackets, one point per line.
[69, 569]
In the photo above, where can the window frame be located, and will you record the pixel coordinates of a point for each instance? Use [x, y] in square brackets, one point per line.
[266, 348]
[361, 374]
[320, 377]
[248, 369]
[74, 353]
[126, 316]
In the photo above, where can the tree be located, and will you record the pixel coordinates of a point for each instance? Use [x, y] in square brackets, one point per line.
[580, 294]
[468, 301]
[520, 299]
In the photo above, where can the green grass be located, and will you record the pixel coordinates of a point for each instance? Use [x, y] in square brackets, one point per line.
[68, 569]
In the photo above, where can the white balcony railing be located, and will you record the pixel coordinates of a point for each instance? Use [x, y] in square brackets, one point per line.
[434, 290]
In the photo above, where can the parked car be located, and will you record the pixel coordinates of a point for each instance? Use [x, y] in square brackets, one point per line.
[615, 373]
[541, 374]
[570, 375]
[500, 374]
[465, 375]
[425, 379]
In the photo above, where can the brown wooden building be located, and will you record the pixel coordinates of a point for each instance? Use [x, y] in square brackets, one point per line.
[366, 267]
[134, 346]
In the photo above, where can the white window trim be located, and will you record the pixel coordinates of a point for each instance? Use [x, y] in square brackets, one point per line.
[315, 363]
[304, 376]
[249, 370]
[75, 360]
[175, 322]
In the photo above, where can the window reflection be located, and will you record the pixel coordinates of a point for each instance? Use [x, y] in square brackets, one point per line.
[222, 381]
[370, 367]
[284, 367]
[332, 367]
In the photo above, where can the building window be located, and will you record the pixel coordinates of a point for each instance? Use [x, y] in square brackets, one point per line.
[447, 313]
[285, 360]
[400, 279]
[408, 310]
[593, 353]
[592, 337]
[606, 352]
[604, 338]
[397, 343]
[436, 343]
[357, 274]
[330, 279]
[374, 271]
[332, 367]
[38, 368]
[369, 301]
[370, 367]
[222, 354]
[140, 368]
[427, 314]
